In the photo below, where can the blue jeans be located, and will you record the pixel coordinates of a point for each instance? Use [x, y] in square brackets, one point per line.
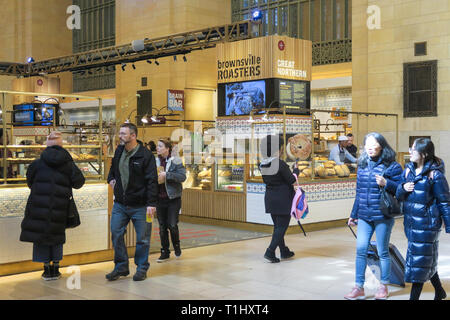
[365, 231]
[120, 217]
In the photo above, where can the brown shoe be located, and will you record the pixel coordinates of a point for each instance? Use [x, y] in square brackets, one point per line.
[382, 293]
[356, 294]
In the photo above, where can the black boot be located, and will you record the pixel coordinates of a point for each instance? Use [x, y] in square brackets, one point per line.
[286, 253]
[177, 249]
[440, 294]
[165, 255]
[270, 256]
[47, 275]
[54, 271]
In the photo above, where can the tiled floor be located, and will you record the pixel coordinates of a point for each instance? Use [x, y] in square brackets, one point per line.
[322, 269]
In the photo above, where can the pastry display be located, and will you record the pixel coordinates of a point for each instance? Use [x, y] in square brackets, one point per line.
[205, 173]
[224, 173]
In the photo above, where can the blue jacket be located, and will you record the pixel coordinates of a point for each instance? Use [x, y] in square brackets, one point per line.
[367, 200]
[424, 210]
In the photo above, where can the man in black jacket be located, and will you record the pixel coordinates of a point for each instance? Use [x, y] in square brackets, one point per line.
[134, 178]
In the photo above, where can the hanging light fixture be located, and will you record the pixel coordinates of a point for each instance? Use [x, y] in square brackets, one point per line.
[145, 119]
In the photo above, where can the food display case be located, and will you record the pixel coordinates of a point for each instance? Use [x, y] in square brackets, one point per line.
[28, 144]
[198, 176]
[230, 174]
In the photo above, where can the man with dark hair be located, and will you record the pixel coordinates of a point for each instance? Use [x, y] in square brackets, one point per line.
[134, 178]
[350, 146]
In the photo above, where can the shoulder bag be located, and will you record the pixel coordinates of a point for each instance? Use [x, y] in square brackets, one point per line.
[389, 205]
[73, 217]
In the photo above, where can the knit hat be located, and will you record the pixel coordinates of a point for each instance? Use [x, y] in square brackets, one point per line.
[54, 139]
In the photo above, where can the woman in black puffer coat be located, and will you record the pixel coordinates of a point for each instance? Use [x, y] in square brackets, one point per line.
[51, 179]
[424, 190]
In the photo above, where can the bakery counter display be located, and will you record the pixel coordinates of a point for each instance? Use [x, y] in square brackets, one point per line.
[324, 169]
[198, 176]
[86, 157]
[230, 177]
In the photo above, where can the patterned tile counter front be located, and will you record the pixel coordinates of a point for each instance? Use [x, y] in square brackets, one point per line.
[91, 235]
[327, 201]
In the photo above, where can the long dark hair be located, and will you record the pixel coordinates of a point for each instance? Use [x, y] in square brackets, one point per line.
[425, 147]
[387, 153]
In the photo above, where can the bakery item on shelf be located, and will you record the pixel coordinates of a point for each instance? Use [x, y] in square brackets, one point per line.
[307, 172]
[339, 171]
[224, 173]
[321, 171]
[329, 164]
[331, 172]
[346, 170]
[204, 173]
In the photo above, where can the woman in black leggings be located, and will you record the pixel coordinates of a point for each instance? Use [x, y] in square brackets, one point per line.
[279, 194]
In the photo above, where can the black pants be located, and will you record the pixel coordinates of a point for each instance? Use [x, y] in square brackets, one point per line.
[280, 225]
[416, 289]
[168, 211]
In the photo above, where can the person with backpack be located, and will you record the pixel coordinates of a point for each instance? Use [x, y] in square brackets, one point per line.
[51, 179]
[425, 195]
[279, 194]
[377, 169]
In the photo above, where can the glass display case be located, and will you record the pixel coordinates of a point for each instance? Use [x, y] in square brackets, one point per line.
[198, 176]
[229, 177]
[27, 145]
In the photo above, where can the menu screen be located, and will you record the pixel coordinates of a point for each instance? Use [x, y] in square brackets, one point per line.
[294, 95]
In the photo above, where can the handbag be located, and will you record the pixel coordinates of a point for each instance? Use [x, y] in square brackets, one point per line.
[389, 205]
[73, 217]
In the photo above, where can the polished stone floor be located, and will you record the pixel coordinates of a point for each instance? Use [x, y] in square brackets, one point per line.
[322, 269]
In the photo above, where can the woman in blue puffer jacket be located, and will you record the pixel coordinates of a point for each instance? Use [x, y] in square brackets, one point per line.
[377, 169]
[425, 193]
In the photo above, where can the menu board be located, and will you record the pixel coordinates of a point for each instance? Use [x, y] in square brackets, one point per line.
[293, 94]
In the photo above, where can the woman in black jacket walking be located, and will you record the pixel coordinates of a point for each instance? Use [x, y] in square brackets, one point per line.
[51, 179]
[279, 194]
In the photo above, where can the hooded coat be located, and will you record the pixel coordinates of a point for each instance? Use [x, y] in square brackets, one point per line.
[51, 179]
[425, 209]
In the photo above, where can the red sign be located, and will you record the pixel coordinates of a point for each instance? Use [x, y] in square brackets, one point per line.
[281, 45]
[175, 100]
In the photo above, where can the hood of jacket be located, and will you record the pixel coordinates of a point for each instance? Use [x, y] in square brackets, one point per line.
[427, 167]
[266, 162]
[55, 156]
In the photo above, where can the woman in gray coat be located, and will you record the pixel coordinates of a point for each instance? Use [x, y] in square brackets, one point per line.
[171, 175]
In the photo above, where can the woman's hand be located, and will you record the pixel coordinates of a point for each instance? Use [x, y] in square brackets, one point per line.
[381, 181]
[352, 222]
[409, 186]
[161, 177]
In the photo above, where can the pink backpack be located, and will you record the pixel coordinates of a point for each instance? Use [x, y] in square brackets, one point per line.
[299, 208]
